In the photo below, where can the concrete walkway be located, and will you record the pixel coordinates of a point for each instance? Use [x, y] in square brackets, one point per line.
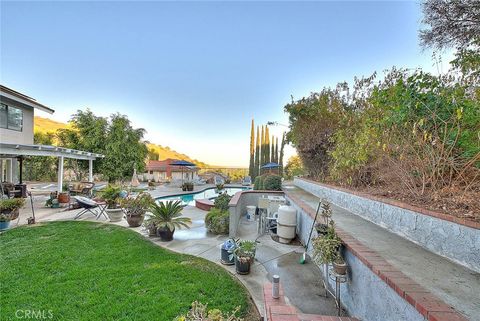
[453, 283]
[302, 283]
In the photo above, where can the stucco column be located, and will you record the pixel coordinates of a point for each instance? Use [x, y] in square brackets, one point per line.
[14, 170]
[90, 170]
[9, 170]
[2, 177]
[60, 174]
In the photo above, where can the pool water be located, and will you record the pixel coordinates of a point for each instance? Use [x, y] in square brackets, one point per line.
[210, 193]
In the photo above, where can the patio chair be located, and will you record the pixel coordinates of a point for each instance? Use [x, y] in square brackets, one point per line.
[90, 206]
[247, 181]
[81, 189]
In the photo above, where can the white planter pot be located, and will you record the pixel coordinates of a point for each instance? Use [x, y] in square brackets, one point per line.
[115, 215]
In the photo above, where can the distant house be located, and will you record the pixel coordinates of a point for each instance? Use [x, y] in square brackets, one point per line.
[163, 171]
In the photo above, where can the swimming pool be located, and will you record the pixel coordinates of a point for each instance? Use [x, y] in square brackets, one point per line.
[209, 193]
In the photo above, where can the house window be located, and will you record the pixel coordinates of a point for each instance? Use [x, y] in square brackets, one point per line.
[11, 118]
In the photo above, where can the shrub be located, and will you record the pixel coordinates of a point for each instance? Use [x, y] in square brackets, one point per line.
[272, 183]
[7, 205]
[200, 312]
[217, 221]
[221, 202]
[257, 184]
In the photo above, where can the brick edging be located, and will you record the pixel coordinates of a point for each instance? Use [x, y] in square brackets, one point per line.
[441, 216]
[427, 304]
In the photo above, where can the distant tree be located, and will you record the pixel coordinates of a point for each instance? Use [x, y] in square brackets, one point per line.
[153, 155]
[251, 168]
[124, 149]
[40, 168]
[257, 155]
[262, 150]
[272, 150]
[450, 23]
[267, 146]
[276, 150]
[294, 167]
[280, 161]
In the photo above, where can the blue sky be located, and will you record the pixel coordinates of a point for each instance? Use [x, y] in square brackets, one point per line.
[193, 74]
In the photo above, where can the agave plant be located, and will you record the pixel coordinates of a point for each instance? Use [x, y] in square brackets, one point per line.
[168, 215]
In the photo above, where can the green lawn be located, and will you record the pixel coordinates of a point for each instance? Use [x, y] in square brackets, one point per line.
[91, 271]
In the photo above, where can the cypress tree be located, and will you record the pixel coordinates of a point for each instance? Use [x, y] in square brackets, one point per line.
[257, 155]
[251, 170]
[267, 145]
[272, 152]
[276, 150]
[262, 150]
[281, 154]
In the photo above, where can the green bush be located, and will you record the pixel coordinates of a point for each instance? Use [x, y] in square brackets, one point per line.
[272, 183]
[221, 202]
[217, 221]
[258, 184]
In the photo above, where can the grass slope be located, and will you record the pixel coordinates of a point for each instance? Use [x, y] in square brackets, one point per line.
[45, 125]
[94, 271]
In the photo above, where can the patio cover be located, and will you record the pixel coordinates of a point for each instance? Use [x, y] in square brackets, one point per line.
[18, 151]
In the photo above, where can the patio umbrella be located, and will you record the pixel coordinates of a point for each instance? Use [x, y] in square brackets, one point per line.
[271, 165]
[182, 164]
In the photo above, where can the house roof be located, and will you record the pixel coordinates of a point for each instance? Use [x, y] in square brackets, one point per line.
[16, 96]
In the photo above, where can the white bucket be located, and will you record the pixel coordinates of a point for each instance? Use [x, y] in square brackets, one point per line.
[251, 212]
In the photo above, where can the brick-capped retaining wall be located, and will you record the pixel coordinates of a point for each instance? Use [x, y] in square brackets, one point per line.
[376, 290]
[454, 238]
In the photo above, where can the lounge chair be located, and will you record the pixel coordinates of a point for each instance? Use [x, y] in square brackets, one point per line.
[90, 206]
[81, 189]
[247, 181]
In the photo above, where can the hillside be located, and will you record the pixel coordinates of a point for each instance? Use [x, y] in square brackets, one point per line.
[45, 125]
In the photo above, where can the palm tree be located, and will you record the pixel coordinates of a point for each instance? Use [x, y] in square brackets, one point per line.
[166, 216]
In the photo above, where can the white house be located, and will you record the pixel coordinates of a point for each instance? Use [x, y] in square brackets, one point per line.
[17, 112]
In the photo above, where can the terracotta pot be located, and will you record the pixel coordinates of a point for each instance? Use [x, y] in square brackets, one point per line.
[165, 234]
[340, 269]
[135, 220]
[63, 198]
[114, 214]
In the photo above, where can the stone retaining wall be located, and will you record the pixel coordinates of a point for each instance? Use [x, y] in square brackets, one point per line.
[375, 291]
[457, 241]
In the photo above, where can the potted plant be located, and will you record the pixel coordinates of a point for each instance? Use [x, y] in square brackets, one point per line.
[135, 208]
[152, 229]
[64, 197]
[244, 254]
[322, 228]
[167, 216]
[325, 249]
[226, 252]
[187, 186]
[10, 207]
[4, 221]
[111, 195]
[339, 265]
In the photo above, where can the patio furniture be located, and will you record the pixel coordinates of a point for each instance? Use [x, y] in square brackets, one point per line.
[81, 189]
[90, 206]
[247, 181]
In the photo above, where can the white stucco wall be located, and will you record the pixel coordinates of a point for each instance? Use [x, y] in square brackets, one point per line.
[17, 137]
